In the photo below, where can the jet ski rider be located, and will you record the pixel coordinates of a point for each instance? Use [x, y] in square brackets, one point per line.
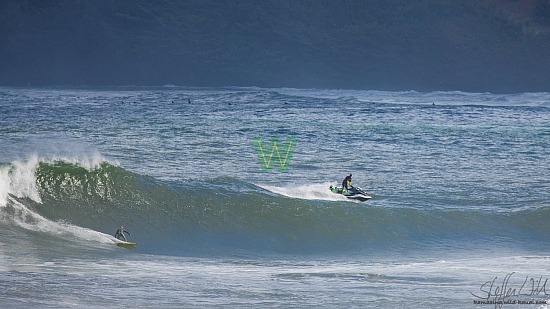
[346, 183]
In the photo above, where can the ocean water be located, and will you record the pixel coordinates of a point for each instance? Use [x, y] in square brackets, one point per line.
[460, 214]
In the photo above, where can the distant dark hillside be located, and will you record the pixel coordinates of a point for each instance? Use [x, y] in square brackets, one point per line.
[490, 45]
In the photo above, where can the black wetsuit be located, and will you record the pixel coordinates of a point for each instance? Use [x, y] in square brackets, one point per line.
[345, 182]
[120, 234]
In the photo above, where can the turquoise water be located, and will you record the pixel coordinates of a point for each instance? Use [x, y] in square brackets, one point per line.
[459, 182]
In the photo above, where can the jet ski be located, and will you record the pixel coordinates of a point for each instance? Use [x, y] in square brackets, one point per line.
[353, 193]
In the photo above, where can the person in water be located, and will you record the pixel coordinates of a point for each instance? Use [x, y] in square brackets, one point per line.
[346, 184]
[120, 234]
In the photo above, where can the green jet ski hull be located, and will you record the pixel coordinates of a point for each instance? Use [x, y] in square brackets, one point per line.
[353, 193]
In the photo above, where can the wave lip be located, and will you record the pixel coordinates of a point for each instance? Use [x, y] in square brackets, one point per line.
[19, 178]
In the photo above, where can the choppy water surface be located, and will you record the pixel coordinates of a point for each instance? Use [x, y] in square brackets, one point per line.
[459, 182]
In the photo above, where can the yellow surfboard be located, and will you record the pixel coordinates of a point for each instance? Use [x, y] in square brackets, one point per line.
[125, 244]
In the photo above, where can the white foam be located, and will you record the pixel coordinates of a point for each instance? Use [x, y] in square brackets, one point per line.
[27, 219]
[4, 185]
[89, 161]
[317, 191]
[19, 179]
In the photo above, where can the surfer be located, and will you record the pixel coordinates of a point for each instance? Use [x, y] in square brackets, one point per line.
[120, 233]
[346, 183]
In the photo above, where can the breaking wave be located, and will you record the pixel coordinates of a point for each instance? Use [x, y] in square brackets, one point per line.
[87, 199]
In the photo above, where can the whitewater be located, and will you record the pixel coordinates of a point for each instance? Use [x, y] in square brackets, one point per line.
[459, 215]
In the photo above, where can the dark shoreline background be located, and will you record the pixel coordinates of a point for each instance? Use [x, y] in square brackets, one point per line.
[425, 45]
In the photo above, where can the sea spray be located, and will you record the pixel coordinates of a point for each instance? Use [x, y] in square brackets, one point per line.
[315, 191]
[19, 179]
[4, 185]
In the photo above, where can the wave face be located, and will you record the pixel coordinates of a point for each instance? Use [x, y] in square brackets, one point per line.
[70, 202]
